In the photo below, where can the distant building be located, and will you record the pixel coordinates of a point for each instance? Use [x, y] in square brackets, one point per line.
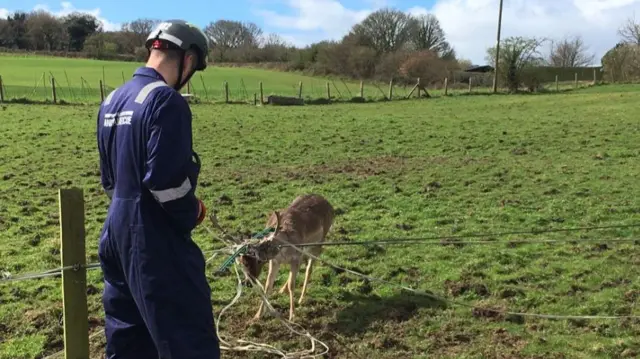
[479, 68]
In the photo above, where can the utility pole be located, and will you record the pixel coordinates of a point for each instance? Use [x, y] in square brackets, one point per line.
[495, 67]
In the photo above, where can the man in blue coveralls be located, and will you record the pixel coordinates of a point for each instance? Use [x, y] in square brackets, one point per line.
[156, 298]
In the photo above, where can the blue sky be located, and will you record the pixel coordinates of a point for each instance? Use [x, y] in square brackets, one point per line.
[470, 25]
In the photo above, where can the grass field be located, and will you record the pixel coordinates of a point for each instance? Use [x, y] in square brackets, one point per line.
[78, 80]
[451, 166]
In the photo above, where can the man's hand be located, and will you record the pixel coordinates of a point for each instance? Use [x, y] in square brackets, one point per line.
[202, 212]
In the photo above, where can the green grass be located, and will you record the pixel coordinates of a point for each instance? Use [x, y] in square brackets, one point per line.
[448, 166]
[78, 80]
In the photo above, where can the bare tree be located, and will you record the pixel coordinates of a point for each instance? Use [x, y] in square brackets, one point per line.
[385, 30]
[45, 31]
[273, 39]
[570, 52]
[427, 34]
[630, 31]
[226, 35]
[233, 34]
[139, 29]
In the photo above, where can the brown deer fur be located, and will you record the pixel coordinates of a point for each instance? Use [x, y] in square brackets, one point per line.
[308, 219]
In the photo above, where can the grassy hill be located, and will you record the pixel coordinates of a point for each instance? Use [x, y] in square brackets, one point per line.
[78, 79]
[451, 166]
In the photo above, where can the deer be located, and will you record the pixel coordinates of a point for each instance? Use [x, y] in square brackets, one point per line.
[307, 219]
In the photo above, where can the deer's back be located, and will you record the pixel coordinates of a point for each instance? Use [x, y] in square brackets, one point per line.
[307, 216]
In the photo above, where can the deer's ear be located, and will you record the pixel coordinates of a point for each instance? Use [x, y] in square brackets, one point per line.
[277, 214]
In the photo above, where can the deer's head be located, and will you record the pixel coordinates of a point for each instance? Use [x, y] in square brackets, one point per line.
[254, 261]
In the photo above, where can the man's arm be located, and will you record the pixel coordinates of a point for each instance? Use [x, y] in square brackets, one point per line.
[171, 175]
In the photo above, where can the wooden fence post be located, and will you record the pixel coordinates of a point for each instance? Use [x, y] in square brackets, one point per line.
[361, 88]
[1, 90]
[470, 83]
[390, 89]
[418, 87]
[595, 77]
[53, 90]
[226, 92]
[101, 92]
[261, 94]
[557, 84]
[300, 90]
[446, 86]
[575, 81]
[74, 281]
[328, 91]
[255, 99]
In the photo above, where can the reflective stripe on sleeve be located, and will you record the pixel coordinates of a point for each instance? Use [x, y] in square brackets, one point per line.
[171, 194]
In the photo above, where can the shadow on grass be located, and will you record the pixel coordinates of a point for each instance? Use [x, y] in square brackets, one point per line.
[364, 310]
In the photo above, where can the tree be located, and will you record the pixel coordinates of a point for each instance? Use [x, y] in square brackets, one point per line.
[385, 30]
[227, 34]
[139, 30]
[79, 27]
[275, 48]
[101, 45]
[427, 34]
[6, 33]
[18, 30]
[630, 32]
[570, 52]
[45, 31]
[622, 63]
[517, 55]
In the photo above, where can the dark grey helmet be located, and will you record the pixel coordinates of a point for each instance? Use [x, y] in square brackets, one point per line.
[179, 34]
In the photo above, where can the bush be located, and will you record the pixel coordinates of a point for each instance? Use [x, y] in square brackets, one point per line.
[425, 65]
[622, 63]
[141, 54]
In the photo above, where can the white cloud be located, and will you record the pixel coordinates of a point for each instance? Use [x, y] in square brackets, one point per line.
[67, 8]
[470, 25]
[328, 18]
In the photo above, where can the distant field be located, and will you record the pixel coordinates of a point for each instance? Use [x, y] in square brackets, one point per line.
[78, 79]
[451, 166]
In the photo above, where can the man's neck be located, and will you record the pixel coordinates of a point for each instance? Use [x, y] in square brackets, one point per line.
[162, 70]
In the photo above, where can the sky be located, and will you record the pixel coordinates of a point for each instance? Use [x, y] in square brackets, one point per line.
[470, 25]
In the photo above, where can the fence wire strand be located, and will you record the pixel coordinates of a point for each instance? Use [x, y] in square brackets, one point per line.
[434, 240]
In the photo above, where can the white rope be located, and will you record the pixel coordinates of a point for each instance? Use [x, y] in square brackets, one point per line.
[249, 346]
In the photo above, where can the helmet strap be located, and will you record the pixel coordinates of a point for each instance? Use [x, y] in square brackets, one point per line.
[180, 82]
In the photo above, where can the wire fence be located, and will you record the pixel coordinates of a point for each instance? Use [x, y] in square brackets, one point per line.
[60, 86]
[435, 240]
[457, 240]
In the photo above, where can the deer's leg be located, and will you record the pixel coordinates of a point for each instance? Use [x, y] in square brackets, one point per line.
[307, 274]
[295, 266]
[271, 277]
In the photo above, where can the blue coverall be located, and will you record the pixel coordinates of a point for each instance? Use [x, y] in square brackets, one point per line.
[156, 299]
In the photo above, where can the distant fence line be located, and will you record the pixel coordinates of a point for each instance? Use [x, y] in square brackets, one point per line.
[49, 89]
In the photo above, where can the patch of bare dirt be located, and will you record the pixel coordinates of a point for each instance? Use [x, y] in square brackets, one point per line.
[457, 288]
